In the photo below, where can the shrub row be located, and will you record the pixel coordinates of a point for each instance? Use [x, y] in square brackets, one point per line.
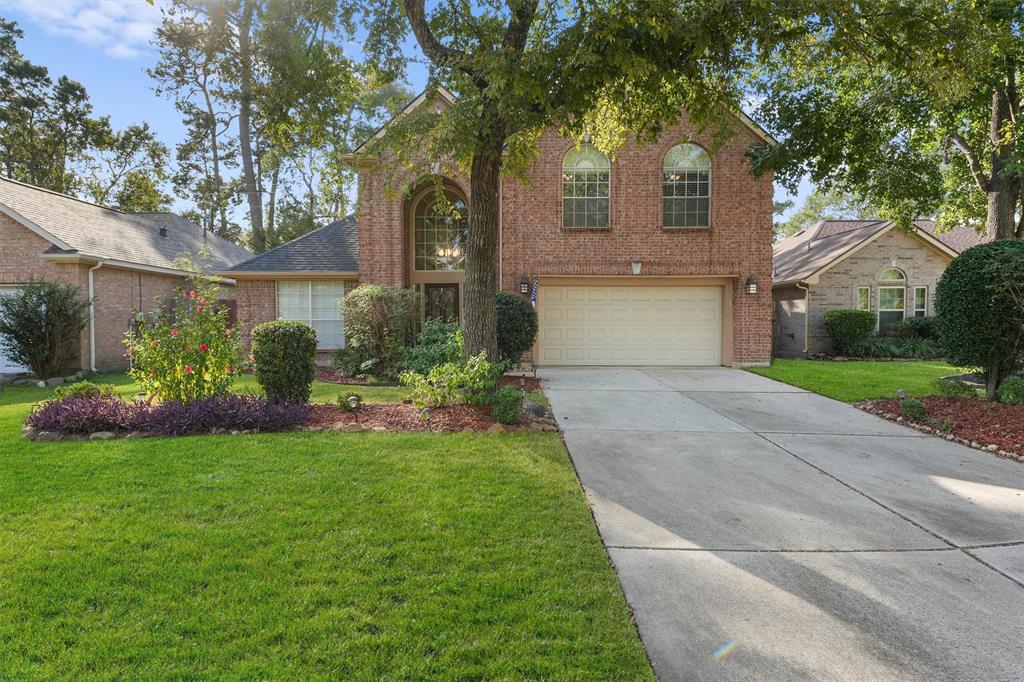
[83, 415]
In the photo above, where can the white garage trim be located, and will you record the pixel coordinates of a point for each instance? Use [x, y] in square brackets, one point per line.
[634, 321]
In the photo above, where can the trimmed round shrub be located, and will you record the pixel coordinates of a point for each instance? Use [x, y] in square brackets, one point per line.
[508, 405]
[847, 328]
[979, 303]
[517, 326]
[284, 353]
[1011, 391]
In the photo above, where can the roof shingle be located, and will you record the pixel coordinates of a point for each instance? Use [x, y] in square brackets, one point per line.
[331, 248]
[101, 232]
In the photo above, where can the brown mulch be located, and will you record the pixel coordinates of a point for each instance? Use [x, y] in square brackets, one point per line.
[331, 377]
[525, 383]
[405, 417]
[974, 420]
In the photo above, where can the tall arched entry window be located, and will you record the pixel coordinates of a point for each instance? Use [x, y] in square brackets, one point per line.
[439, 227]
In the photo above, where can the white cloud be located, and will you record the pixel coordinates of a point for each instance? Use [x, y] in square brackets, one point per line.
[120, 28]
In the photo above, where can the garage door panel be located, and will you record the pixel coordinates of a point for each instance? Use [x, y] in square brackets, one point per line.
[630, 325]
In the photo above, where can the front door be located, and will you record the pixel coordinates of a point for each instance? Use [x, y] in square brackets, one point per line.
[441, 301]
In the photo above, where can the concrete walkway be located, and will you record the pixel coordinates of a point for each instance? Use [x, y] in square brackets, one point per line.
[764, 532]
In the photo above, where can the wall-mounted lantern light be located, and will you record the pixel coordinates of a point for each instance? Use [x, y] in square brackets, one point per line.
[751, 284]
[524, 285]
[636, 267]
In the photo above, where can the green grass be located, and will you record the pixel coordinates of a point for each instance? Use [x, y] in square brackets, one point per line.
[859, 380]
[303, 556]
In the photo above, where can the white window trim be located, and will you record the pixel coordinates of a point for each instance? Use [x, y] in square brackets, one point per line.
[561, 183]
[311, 319]
[925, 309]
[878, 314]
[856, 298]
[708, 197]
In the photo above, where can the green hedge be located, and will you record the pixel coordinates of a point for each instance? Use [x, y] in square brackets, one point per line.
[284, 353]
[516, 324]
[849, 328]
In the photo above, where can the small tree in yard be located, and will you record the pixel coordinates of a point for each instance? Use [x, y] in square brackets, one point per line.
[378, 327]
[980, 322]
[40, 326]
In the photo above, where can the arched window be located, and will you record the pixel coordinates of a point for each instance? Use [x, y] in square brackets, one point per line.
[686, 187]
[439, 233]
[586, 181]
[892, 297]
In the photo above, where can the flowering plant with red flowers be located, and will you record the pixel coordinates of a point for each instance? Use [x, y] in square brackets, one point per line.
[186, 352]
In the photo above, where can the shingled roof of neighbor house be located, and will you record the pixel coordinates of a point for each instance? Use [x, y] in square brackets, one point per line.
[800, 256]
[331, 248]
[77, 227]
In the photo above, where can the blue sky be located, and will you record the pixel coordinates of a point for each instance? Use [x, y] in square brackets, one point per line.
[104, 44]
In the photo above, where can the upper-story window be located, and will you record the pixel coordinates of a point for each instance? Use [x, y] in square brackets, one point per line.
[586, 183]
[686, 187]
[439, 233]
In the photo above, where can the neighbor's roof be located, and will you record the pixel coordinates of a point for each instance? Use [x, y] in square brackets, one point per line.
[80, 228]
[331, 248]
[811, 251]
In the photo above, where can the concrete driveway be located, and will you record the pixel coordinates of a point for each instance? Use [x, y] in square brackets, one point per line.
[764, 532]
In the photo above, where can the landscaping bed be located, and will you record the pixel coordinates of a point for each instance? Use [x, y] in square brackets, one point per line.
[989, 426]
[403, 417]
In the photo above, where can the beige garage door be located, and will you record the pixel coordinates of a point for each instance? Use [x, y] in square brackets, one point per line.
[630, 325]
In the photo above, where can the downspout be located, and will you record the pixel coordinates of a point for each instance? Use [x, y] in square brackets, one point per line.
[807, 314]
[92, 316]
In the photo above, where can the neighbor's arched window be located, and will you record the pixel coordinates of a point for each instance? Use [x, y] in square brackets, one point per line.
[686, 187]
[892, 297]
[586, 183]
[439, 233]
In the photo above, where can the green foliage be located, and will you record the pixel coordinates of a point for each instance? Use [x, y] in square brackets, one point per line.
[923, 349]
[914, 410]
[378, 325]
[848, 328]
[508, 405]
[825, 205]
[85, 389]
[125, 170]
[438, 343]
[1011, 391]
[472, 382]
[916, 328]
[188, 352]
[981, 324]
[945, 425]
[516, 326]
[284, 353]
[895, 101]
[955, 389]
[40, 327]
[350, 402]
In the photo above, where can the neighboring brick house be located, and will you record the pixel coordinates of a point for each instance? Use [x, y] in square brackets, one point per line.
[865, 264]
[660, 256]
[125, 261]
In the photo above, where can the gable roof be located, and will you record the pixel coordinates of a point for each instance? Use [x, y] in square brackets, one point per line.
[809, 253]
[332, 248]
[79, 228]
[424, 97]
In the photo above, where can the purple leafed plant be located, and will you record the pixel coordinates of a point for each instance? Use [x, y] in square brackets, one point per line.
[230, 412]
[88, 415]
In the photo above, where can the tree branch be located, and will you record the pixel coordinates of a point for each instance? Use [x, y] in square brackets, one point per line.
[519, 26]
[439, 53]
[977, 172]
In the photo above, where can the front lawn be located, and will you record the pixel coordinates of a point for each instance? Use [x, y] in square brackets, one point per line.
[303, 556]
[860, 379]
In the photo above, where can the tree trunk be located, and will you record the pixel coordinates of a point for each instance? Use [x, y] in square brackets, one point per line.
[218, 183]
[992, 381]
[1001, 190]
[999, 219]
[259, 239]
[481, 285]
[272, 200]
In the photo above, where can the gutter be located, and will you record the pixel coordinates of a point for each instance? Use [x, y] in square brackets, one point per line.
[92, 316]
[807, 314]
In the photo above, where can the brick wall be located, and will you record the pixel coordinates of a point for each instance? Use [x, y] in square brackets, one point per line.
[837, 288]
[257, 302]
[533, 241]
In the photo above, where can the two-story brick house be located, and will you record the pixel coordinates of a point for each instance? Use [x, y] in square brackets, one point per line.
[658, 256]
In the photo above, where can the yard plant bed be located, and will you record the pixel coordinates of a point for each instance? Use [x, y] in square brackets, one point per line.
[985, 425]
[303, 556]
[404, 417]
